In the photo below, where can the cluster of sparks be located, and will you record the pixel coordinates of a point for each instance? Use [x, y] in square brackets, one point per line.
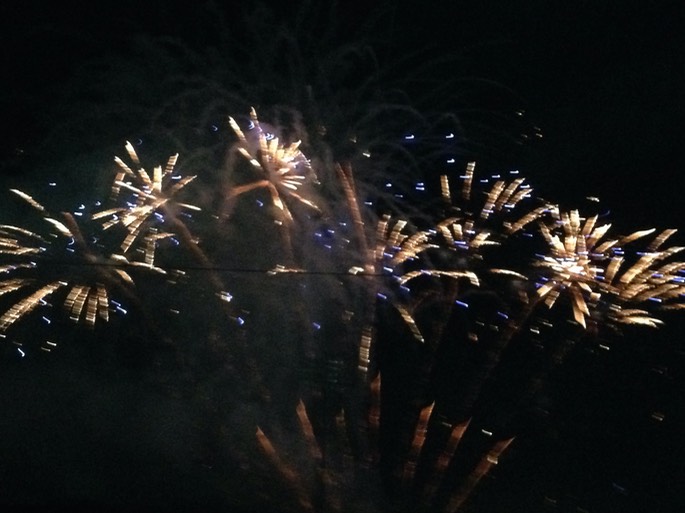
[37, 268]
[151, 197]
[281, 169]
[583, 264]
[587, 266]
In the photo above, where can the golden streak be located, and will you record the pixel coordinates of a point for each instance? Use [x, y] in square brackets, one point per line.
[283, 468]
[409, 321]
[483, 467]
[60, 227]
[91, 308]
[132, 153]
[468, 180]
[29, 200]
[365, 349]
[417, 443]
[308, 431]
[445, 188]
[78, 301]
[103, 302]
[8, 286]
[471, 276]
[493, 195]
[26, 305]
[526, 219]
[445, 458]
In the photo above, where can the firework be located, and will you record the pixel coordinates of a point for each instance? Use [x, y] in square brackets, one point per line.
[60, 259]
[586, 266]
[338, 423]
[282, 170]
[153, 199]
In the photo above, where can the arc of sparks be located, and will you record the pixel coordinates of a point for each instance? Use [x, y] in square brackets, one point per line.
[395, 247]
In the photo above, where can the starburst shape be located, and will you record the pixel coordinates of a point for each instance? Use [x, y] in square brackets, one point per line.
[40, 265]
[502, 198]
[151, 200]
[479, 226]
[573, 264]
[654, 278]
[587, 267]
[395, 248]
[282, 169]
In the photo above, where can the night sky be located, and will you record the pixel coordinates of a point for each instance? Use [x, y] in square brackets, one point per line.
[603, 82]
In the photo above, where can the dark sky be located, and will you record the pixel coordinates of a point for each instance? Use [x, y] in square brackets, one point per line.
[603, 80]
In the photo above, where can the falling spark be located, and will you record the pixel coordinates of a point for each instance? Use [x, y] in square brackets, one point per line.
[445, 458]
[484, 466]
[417, 443]
[284, 469]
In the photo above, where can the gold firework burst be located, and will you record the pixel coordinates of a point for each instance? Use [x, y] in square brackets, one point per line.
[39, 267]
[465, 230]
[472, 230]
[503, 196]
[282, 169]
[154, 199]
[587, 268]
[574, 263]
[394, 246]
[653, 278]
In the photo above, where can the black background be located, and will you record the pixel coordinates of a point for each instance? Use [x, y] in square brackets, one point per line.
[603, 80]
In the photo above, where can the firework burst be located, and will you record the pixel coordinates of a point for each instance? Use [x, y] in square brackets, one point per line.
[465, 235]
[342, 412]
[476, 227]
[282, 170]
[587, 266]
[41, 265]
[153, 200]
